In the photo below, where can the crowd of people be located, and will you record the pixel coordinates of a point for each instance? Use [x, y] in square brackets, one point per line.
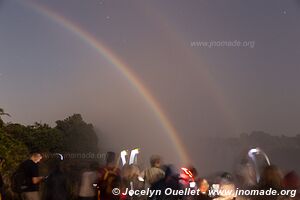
[112, 182]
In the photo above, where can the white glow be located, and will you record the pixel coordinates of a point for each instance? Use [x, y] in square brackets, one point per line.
[123, 157]
[133, 154]
[252, 154]
[256, 151]
[141, 179]
[60, 156]
[253, 151]
[192, 184]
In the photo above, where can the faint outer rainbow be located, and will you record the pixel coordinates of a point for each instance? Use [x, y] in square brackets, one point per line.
[168, 29]
[123, 68]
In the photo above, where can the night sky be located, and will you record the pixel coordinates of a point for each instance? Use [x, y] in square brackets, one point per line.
[48, 73]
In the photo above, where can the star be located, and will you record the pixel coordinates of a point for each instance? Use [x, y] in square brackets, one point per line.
[284, 12]
[107, 17]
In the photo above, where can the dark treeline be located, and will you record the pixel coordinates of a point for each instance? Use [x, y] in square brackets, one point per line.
[70, 136]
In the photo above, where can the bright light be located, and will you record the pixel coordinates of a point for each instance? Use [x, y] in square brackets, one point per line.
[123, 156]
[61, 157]
[133, 154]
[141, 179]
[187, 172]
[254, 152]
[192, 184]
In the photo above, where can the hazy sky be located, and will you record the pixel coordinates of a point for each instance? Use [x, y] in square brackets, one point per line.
[47, 72]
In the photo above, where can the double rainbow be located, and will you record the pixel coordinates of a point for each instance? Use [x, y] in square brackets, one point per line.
[122, 67]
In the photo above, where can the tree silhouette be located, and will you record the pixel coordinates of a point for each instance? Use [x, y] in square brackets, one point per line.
[2, 113]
